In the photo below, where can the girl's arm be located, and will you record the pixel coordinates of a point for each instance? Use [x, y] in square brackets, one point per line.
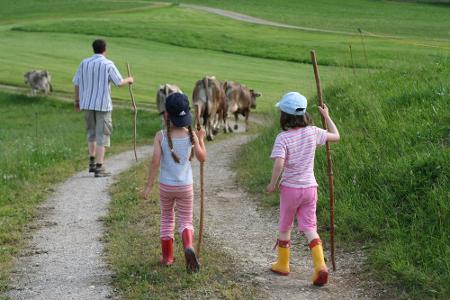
[154, 165]
[333, 133]
[276, 172]
[199, 145]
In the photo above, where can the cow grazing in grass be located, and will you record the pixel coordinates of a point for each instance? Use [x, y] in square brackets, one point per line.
[239, 100]
[40, 81]
[208, 99]
[162, 93]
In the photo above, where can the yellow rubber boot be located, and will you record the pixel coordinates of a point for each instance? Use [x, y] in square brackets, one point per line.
[281, 266]
[320, 275]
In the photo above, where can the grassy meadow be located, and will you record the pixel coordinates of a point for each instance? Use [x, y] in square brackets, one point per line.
[391, 167]
[42, 141]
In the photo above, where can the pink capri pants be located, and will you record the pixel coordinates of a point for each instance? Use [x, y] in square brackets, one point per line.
[181, 199]
[300, 202]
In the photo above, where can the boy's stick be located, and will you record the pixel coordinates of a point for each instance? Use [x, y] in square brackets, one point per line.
[330, 163]
[135, 113]
[202, 189]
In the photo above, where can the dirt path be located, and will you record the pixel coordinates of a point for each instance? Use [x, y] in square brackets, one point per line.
[64, 256]
[236, 223]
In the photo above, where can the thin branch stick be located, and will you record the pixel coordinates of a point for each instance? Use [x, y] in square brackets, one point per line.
[329, 161]
[202, 190]
[135, 113]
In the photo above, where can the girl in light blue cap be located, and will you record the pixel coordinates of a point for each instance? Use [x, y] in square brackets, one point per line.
[293, 152]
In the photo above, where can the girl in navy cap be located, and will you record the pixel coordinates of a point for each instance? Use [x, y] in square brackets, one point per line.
[293, 153]
[173, 150]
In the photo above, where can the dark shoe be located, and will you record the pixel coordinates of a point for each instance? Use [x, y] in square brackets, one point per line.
[92, 168]
[101, 172]
[192, 265]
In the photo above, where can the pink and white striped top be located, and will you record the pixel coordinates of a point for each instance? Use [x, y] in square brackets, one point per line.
[298, 147]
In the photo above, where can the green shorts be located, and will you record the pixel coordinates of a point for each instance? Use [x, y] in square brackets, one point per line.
[98, 127]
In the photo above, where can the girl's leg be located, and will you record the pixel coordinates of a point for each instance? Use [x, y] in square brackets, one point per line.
[288, 207]
[185, 206]
[167, 224]
[307, 223]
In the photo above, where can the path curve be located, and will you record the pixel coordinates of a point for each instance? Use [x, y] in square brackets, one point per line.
[64, 257]
[254, 20]
[236, 224]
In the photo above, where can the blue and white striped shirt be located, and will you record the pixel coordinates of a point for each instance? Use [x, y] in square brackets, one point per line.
[93, 77]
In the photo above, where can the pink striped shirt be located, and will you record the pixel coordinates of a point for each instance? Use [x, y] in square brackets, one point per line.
[297, 147]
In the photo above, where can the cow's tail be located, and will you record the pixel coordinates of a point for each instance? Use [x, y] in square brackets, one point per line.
[51, 88]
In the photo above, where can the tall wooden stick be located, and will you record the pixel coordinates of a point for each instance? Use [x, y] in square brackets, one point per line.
[202, 190]
[135, 113]
[329, 161]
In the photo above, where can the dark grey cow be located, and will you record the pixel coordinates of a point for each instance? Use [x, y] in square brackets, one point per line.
[39, 80]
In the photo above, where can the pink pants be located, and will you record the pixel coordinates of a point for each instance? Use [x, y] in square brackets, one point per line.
[180, 198]
[300, 202]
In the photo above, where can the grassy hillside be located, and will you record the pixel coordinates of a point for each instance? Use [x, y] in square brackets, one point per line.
[186, 28]
[42, 141]
[152, 64]
[415, 19]
[391, 173]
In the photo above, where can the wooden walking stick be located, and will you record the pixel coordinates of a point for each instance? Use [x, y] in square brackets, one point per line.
[329, 161]
[135, 113]
[202, 190]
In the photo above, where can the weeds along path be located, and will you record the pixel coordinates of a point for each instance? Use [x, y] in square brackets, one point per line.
[64, 256]
[234, 222]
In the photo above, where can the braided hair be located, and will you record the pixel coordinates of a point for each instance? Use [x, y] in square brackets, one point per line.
[175, 157]
[169, 139]
[191, 137]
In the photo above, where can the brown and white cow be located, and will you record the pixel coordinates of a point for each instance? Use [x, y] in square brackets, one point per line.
[209, 102]
[240, 99]
[162, 93]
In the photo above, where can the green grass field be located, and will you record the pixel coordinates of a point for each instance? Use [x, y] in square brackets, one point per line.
[391, 167]
[42, 141]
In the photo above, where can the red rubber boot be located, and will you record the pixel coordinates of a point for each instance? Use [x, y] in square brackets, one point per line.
[192, 265]
[167, 251]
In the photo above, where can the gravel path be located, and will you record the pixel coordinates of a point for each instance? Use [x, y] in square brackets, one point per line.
[64, 256]
[236, 223]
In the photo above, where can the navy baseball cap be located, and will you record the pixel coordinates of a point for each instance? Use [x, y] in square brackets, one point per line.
[177, 105]
[293, 103]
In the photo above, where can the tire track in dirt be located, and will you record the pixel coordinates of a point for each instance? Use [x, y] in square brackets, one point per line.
[63, 259]
[235, 222]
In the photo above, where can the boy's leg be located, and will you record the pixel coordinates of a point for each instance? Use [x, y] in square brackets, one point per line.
[90, 133]
[167, 224]
[307, 222]
[184, 207]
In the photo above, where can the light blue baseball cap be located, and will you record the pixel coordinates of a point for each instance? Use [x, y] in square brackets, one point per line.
[293, 103]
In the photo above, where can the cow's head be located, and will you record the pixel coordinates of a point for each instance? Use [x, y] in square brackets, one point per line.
[253, 100]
